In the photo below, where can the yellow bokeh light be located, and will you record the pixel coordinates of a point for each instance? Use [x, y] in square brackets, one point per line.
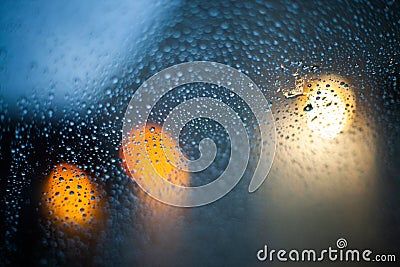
[328, 105]
[156, 153]
[70, 198]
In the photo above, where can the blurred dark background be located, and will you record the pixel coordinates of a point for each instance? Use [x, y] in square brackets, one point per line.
[68, 71]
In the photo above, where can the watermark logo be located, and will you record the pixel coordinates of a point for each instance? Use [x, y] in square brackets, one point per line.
[341, 253]
[341, 243]
[152, 90]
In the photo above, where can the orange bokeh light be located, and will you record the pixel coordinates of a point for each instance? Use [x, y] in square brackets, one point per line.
[158, 151]
[70, 198]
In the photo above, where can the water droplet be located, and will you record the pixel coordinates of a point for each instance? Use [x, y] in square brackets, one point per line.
[308, 107]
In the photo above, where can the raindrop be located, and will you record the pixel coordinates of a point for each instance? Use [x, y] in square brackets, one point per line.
[308, 107]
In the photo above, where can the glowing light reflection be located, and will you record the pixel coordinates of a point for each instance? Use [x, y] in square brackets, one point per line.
[70, 198]
[159, 222]
[329, 105]
[160, 152]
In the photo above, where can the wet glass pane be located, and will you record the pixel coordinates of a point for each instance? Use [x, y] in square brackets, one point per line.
[70, 179]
